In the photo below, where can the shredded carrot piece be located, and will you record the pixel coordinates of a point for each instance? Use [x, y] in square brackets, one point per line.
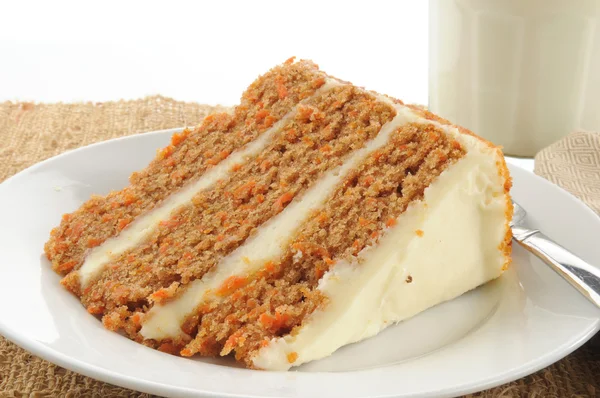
[163, 247]
[390, 222]
[419, 232]
[319, 82]
[274, 323]
[220, 238]
[283, 200]
[186, 352]
[236, 167]
[165, 152]
[237, 295]
[93, 242]
[232, 341]
[322, 217]
[67, 217]
[60, 247]
[374, 235]
[129, 198]
[289, 61]
[291, 134]
[224, 153]
[329, 261]
[260, 198]
[177, 139]
[67, 267]
[232, 283]
[136, 319]
[222, 215]
[292, 356]
[261, 115]
[264, 343]
[377, 155]
[269, 121]
[368, 180]
[319, 272]
[95, 309]
[76, 231]
[325, 148]
[456, 145]
[308, 141]
[304, 112]
[161, 295]
[363, 221]
[171, 223]
[281, 90]
[244, 189]
[211, 161]
[123, 223]
[107, 217]
[265, 165]
[356, 244]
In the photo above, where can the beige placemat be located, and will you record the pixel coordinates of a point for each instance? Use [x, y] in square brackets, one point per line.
[574, 164]
[30, 133]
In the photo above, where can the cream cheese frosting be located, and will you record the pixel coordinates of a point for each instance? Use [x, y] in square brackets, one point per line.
[451, 244]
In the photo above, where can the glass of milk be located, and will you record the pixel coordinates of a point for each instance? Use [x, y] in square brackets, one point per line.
[520, 73]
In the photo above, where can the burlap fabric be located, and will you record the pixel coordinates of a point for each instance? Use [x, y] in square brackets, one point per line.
[30, 133]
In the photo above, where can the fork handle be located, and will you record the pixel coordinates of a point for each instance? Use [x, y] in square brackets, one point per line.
[582, 275]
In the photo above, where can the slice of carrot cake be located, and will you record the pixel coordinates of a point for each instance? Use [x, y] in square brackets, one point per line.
[314, 215]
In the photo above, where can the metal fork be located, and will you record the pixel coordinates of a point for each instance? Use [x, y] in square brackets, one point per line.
[583, 276]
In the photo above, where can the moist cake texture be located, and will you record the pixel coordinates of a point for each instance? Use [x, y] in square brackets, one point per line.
[314, 215]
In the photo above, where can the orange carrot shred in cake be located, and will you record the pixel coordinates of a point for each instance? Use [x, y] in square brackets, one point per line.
[296, 217]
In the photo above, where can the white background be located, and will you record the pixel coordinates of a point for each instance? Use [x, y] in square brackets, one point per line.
[206, 52]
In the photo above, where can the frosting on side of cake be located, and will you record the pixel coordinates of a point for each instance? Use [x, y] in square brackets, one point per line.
[164, 320]
[450, 244]
[143, 226]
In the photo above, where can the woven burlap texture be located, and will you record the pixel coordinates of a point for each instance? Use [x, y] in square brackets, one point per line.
[30, 133]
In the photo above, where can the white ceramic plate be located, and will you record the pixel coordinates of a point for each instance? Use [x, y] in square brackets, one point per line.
[524, 321]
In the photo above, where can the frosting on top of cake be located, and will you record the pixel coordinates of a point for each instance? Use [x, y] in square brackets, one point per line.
[449, 244]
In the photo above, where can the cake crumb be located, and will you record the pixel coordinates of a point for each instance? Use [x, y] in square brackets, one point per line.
[419, 233]
[409, 279]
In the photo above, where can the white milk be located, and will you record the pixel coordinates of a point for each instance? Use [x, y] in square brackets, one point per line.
[521, 73]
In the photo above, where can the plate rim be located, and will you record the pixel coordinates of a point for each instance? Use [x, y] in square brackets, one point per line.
[120, 379]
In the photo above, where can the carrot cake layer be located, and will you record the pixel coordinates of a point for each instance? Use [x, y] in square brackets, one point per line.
[218, 220]
[345, 213]
[191, 153]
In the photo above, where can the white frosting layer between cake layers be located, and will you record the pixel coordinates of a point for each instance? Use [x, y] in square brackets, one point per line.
[164, 320]
[462, 216]
[142, 227]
